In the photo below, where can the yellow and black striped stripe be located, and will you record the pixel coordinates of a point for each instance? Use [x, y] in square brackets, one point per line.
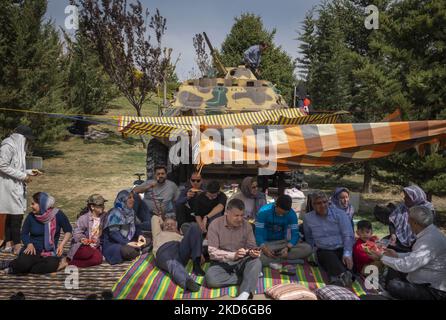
[164, 126]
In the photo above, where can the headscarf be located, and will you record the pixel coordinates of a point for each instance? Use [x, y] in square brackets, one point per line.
[259, 197]
[335, 201]
[47, 216]
[121, 215]
[400, 216]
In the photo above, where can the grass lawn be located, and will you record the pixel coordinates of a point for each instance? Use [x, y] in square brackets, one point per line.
[76, 168]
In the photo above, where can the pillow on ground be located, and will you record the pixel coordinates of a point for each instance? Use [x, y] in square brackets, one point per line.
[335, 293]
[290, 291]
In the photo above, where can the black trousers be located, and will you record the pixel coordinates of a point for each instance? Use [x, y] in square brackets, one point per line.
[129, 253]
[34, 264]
[183, 215]
[331, 261]
[13, 225]
[404, 290]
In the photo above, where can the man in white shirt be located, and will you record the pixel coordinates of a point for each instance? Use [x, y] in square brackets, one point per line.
[425, 265]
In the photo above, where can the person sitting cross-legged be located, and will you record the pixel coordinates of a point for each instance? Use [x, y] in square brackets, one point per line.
[172, 251]
[233, 252]
[186, 201]
[42, 252]
[421, 273]
[209, 205]
[329, 231]
[273, 222]
[85, 248]
[120, 239]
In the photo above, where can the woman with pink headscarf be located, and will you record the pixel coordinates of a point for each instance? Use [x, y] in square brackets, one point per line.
[42, 251]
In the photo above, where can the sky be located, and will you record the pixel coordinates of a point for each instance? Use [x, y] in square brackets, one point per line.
[215, 17]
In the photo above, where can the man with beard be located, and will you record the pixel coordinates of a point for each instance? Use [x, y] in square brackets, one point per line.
[159, 194]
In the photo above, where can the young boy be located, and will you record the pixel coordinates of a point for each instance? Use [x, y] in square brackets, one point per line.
[364, 232]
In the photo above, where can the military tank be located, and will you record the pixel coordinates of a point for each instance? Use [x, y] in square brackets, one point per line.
[235, 90]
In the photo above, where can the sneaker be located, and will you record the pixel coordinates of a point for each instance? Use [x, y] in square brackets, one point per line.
[275, 266]
[261, 274]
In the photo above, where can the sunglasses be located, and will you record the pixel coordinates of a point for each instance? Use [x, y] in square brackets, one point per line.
[195, 180]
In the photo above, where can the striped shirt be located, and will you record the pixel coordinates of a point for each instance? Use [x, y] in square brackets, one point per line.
[272, 227]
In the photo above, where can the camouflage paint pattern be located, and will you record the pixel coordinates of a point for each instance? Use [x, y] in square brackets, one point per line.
[238, 91]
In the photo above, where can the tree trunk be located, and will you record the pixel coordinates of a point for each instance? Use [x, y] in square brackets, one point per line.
[144, 140]
[367, 185]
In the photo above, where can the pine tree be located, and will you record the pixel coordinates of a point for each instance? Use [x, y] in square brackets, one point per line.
[276, 65]
[32, 78]
[88, 88]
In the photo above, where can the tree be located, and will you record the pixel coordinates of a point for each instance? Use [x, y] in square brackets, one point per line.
[32, 74]
[276, 65]
[371, 72]
[88, 88]
[122, 36]
[202, 59]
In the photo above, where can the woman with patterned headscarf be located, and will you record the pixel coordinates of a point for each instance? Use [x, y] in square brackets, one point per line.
[251, 197]
[401, 236]
[40, 235]
[341, 200]
[120, 231]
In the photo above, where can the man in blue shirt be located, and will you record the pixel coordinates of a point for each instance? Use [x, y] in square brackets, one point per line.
[329, 231]
[273, 222]
[253, 55]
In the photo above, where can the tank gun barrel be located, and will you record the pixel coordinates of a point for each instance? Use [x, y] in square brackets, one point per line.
[220, 67]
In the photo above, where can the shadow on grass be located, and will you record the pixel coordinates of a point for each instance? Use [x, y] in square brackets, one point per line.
[115, 139]
[47, 153]
[327, 182]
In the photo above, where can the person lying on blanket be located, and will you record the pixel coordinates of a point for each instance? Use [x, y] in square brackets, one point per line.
[273, 222]
[85, 248]
[233, 252]
[172, 251]
[329, 231]
[42, 252]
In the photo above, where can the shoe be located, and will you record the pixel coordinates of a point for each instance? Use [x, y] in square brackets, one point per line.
[4, 264]
[261, 274]
[196, 268]
[296, 261]
[146, 249]
[347, 279]
[275, 266]
[191, 285]
[6, 250]
[17, 296]
[336, 281]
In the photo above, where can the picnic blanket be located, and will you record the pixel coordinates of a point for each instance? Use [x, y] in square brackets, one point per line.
[93, 280]
[144, 281]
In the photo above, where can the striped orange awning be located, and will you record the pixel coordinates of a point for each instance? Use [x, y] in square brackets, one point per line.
[318, 145]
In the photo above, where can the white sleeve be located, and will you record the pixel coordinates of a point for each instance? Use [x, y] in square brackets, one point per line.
[6, 154]
[410, 262]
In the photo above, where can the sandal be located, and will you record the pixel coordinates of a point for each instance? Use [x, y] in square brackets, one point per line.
[6, 250]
